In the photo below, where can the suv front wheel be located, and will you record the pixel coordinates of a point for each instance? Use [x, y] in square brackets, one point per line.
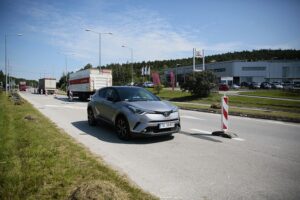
[122, 128]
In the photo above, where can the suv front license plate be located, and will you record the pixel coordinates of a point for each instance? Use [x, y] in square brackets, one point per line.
[166, 125]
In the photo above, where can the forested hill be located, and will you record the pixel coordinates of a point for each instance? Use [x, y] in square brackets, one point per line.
[254, 55]
[122, 72]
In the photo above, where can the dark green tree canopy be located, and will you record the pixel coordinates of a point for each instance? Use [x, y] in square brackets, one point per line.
[88, 66]
[200, 83]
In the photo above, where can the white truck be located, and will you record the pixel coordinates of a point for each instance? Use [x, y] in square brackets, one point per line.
[84, 83]
[47, 86]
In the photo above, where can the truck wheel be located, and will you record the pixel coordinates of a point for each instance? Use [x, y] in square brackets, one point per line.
[122, 128]
[82, 97]
[91, 118]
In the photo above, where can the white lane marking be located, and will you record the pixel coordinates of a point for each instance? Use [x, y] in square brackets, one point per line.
[190, 117]
[243, 118]
[65, 106]
[238, 139]
[207, 132]
[201, 131]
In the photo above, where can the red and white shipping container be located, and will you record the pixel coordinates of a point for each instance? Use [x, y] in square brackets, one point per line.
[84, 83]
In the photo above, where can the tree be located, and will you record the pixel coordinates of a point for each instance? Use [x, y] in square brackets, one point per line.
[200, 84]
[88, 66]
[62, 84]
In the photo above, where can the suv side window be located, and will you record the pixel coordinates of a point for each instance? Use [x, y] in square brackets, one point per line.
[110, 93]
[102, 93]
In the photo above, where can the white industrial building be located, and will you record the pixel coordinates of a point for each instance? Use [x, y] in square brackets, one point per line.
[244, 71]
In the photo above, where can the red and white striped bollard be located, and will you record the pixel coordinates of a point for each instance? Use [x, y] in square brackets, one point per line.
[224, 116]
[224, 120]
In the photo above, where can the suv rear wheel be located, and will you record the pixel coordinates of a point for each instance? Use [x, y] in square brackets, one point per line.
[91, 118]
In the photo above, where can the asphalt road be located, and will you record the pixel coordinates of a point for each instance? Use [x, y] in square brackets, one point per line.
[263, 163]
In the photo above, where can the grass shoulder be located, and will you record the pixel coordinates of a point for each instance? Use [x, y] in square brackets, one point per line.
[240, 105]
[287, 94]
[40, 161]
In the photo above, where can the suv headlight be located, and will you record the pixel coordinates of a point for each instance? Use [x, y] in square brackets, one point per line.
[175, 109]
[139, 110]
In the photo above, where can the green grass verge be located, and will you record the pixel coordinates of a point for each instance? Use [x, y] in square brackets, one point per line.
[40, 161]
[277, 109]
[274, 115]
[288, 94]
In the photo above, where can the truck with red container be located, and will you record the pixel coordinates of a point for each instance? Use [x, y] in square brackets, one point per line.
[84, 83]
[22, 86]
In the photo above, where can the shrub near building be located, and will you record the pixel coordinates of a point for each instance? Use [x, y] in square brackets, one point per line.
[200, 83]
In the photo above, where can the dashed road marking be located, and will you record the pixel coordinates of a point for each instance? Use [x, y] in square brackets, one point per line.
[238, 139]
[190, 117]
[201, 131]
[208, 132]
[65, 106]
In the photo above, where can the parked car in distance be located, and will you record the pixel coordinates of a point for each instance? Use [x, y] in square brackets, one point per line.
[245, 84]
[138, 84]
[254, 85]
[296, 84]
[148, 84]
[265, 85]
[223, 87]
[236, 86]
[133, 111]
[276, 85]
[287, 85]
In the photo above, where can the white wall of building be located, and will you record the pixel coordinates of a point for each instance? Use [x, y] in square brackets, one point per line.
[256, 71]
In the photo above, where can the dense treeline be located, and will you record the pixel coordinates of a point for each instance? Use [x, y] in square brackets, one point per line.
[15, 80]
[122, 72]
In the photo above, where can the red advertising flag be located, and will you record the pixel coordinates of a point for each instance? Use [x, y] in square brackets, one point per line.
[155, 78]
[172, 79]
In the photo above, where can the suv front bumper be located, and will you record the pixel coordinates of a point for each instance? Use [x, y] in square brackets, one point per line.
[150, 124]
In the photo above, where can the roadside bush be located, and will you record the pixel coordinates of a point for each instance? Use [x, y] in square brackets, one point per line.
[200, 84]
[215, 106]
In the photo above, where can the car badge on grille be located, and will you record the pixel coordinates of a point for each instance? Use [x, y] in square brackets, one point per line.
[166, 114]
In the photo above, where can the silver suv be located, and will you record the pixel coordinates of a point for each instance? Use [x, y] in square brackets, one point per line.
[133, 111]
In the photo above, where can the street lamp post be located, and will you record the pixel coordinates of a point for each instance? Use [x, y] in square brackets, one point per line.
[6, 66]
[66, 63]
[131, 51]
[176, 74]
[99, 33]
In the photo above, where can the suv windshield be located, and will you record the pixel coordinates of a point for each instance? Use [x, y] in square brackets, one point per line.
[136, 94]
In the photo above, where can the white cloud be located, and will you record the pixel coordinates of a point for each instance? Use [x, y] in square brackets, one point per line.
[149, 34]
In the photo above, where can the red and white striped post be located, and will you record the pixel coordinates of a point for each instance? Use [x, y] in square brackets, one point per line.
[224, 116]
[224, 120]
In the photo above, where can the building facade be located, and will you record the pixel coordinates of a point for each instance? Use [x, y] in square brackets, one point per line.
[244, 71]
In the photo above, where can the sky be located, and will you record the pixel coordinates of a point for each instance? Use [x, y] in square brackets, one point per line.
[53, 31]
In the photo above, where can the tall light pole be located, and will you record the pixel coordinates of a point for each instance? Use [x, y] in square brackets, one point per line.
[99, 33]
[131, 51]
[176, 74]
[6, 66]
[66, 63]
